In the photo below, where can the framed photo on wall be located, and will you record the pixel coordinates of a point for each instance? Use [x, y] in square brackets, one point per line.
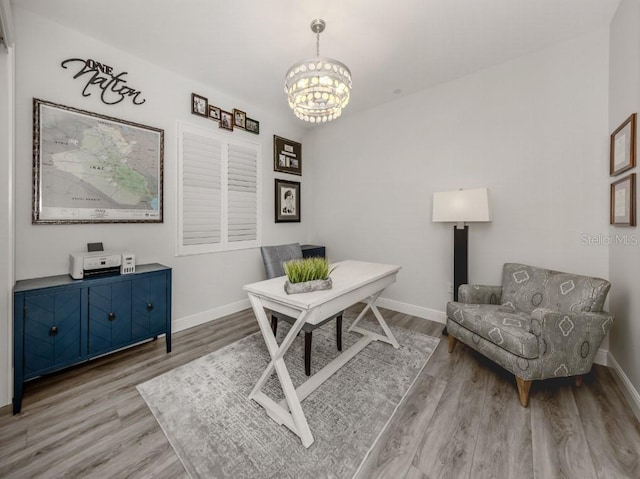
[287, 156]
[214, 113]
[226, 120]
[287, 201]
[239, 118]
[253, 126]
[622, 155]
[199, 105]
[623, 201]
[90, 168]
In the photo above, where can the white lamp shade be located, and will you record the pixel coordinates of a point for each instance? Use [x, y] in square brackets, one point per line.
[461, 206]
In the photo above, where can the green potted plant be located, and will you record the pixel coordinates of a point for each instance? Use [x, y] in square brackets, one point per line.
[307, 274]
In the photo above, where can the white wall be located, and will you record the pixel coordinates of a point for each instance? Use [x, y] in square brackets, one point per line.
[624, 262]
[6, 219]
[201, 283]
[532, 130]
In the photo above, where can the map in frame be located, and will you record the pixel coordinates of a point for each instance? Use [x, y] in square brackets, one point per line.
[90, 168]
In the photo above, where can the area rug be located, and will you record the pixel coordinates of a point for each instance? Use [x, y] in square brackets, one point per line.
[217, 432]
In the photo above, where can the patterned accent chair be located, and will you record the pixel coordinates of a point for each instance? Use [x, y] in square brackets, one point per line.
[539, 324]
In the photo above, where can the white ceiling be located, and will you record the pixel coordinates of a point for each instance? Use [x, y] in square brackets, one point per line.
[393, 48]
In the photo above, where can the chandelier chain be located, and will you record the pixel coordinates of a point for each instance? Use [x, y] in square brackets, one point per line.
[317, 43]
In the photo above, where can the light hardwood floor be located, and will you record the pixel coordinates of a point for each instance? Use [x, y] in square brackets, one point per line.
[462, 419]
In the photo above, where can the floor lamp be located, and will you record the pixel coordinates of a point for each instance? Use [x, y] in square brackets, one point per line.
[460, 207]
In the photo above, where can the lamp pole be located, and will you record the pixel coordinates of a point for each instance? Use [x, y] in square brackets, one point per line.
[460, 257]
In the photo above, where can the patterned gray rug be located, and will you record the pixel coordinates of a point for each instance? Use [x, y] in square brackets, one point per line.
[217, 432]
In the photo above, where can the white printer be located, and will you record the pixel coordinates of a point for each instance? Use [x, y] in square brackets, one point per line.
[98, 263]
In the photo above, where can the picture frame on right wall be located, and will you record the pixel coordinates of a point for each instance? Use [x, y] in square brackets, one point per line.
[623, 201]
[622, 148]
[287, 201]
[287, 156]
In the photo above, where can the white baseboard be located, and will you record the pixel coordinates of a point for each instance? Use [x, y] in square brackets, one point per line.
[187, 322]
[628, 389]
[602, 357]
[413, 310]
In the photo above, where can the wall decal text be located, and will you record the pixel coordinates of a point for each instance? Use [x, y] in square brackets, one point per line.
[101, 76]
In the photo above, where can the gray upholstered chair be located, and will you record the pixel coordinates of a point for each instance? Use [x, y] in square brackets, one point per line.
[539, 324]
[273, 257]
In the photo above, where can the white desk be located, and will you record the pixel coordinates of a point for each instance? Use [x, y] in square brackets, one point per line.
[353, 281]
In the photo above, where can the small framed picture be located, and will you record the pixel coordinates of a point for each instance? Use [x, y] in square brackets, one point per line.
[253, 126]
[214, 113]
[623, 201]
[226, 120]
[287, 156]
[622, 148]
[239, 119]
[199, 105]
[287, 201]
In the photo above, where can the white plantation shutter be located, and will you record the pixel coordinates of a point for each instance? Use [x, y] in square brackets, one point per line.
[201, 190]
[242, 193]
[218, 192]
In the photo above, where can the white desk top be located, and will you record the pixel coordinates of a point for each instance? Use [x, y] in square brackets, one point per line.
[347, 276]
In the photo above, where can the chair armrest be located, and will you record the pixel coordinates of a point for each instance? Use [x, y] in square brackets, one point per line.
[479, 294]
[559, 331]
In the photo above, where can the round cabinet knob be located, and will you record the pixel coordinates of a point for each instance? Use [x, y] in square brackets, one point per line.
[112, 316]
[53, 331]
[150, 307]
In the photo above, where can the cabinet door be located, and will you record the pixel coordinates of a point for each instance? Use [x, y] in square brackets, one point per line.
[149, 298]
[51, 331]
[109, 316]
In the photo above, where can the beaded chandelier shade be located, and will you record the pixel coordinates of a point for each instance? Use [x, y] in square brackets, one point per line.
[318, 88]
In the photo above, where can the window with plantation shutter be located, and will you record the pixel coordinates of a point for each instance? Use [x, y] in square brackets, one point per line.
[242, 193]
[218, 192]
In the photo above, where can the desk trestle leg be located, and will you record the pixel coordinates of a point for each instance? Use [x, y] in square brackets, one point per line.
[388, 335]
[294, 420]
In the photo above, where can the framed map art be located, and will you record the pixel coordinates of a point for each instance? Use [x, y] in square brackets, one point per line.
[90, 168]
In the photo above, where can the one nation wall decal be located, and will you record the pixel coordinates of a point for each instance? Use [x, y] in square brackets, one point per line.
[99, 76]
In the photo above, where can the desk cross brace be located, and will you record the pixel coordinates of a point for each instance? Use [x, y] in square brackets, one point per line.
[289, 411]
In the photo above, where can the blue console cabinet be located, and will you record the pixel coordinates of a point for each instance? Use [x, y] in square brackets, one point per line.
[59, 321]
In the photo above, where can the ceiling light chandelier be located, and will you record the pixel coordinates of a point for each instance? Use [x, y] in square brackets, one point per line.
[318, 88]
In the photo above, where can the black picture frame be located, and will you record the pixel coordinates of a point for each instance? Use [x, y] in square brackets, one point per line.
[253, 126]
[287, 156]
[287, 201]
[199, 105]
[226, 120]
[214, 113]
[239, 118]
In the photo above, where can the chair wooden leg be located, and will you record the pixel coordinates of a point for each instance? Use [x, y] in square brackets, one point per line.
[578, 380]
[274, 324]
[452, 343]
[339, 332]
[523, 390]
[307, 353]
